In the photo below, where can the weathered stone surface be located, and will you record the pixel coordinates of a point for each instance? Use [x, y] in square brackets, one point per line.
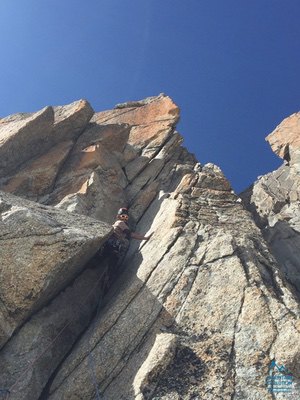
[37, 178]
[36, 139]
[71, 120]
[159, 357]
[197, 312]
[274, 200]
[42, 250]
[93, 176]
[22, 139]
[111, 161]
[196, 280]
[285, 139]
[33, 354]
[157, 109]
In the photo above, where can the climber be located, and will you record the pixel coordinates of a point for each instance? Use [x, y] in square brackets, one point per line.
[119, 241]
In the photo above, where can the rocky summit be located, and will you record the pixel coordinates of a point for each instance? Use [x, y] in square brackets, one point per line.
[206, 309]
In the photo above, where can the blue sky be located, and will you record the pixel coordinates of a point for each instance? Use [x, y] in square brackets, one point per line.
[233, 66]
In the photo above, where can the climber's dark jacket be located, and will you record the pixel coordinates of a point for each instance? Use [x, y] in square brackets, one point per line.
[118, 243]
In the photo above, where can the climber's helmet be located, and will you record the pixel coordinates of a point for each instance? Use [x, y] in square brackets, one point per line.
[123, 214]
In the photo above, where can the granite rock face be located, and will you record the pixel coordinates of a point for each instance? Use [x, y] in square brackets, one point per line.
[34, 147]
[199, 311]
[42, 250]
[274, 200]
[285, 139]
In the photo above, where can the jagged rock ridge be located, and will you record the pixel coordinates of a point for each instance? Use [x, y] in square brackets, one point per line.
[198, 312]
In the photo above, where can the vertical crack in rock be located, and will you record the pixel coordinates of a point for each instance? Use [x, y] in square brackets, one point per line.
[190, 287]
[232, 354]
[154, 322]
[155, 165]
[268, 351]
[117, 370]
[153, 154]
[60, 171]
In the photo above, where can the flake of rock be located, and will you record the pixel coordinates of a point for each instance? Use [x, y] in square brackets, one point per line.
[161, 108]
[37, 178]
[285, 139]
[42, 250]
[24, 138]
[71, 120]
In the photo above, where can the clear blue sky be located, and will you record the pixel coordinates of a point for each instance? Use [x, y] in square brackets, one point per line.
[233, 66]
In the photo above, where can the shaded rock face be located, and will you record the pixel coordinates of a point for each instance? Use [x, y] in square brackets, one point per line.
[197, 312]
[41, 251]
[48, 290]
[274, 200]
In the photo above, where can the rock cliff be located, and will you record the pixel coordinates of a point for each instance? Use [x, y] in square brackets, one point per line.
[200, 311]
[274, 200]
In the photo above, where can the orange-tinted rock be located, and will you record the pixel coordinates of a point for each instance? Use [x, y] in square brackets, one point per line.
[187, 181]
[91, 152]
[92, 177]
[285, 139]
[84, 180]
[160, 108]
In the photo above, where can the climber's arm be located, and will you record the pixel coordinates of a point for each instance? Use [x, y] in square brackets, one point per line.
[139, 236]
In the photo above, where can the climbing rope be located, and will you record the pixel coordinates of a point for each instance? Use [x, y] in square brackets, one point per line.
[7, 392]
